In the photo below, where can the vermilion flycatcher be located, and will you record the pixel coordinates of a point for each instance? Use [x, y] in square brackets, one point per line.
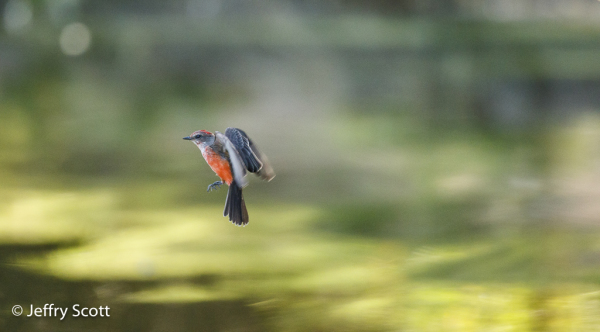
[230, 156]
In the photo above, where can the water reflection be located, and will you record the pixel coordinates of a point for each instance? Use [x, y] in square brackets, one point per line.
[170, 270]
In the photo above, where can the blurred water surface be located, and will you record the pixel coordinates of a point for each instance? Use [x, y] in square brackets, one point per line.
[437, 165]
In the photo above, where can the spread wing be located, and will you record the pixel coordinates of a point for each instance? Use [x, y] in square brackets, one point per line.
[240, 140]
[237, 166]
[253, 159]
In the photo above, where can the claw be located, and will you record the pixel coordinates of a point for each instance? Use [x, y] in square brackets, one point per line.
[216, 184]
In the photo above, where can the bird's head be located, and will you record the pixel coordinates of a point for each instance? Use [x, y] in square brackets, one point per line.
[201, 137]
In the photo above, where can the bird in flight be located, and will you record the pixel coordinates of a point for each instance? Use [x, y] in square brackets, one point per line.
[230, 156]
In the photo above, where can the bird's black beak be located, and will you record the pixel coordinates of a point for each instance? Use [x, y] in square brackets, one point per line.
[187, 138]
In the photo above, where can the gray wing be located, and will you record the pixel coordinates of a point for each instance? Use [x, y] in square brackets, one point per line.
[253, 159]
[237, 166]
[240, 140]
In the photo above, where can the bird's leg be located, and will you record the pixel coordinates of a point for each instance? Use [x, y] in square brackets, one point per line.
[214, 185]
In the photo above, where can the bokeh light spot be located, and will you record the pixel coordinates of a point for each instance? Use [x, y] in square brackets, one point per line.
[17, 15]
[75, 39]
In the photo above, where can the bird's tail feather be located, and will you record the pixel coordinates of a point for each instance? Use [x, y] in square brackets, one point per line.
[235, 207]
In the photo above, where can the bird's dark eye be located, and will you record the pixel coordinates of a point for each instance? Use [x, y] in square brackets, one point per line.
[198, 136]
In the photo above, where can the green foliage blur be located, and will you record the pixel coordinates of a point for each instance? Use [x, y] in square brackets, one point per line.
[437, 164]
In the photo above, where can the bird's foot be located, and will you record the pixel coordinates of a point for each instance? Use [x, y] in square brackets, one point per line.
[215, 186]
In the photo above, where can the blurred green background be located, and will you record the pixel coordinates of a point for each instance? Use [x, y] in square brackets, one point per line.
[438, 164]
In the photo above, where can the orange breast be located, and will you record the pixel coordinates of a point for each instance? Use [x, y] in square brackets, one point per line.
[218, 164]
